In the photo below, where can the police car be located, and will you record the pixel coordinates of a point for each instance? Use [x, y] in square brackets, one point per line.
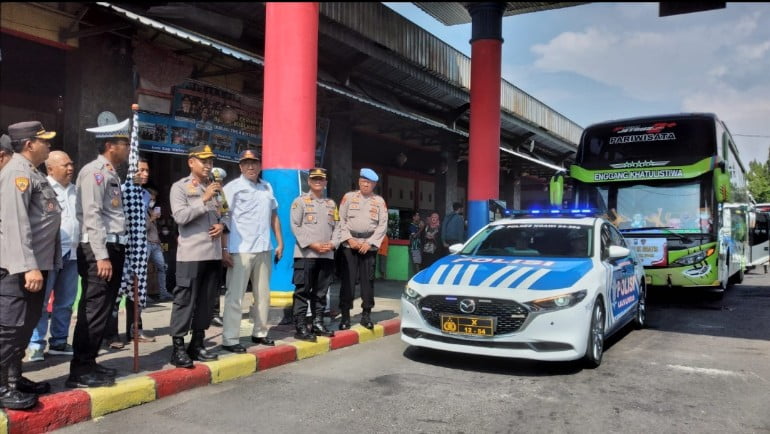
[544, 286]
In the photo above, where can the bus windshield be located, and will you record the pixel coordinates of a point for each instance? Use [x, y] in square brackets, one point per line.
[682, 207]
[647, 143]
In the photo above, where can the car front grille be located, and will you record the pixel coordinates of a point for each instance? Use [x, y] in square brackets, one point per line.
[510, 315]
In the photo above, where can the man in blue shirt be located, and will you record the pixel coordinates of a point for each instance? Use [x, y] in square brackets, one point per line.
[247, 250]
[453, 230]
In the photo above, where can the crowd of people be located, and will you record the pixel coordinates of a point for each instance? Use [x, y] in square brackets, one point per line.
[54, 230]
[102, 229]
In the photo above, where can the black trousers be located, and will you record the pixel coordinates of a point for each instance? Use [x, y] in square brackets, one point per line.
[358, 267]
[197, 283]
[97, 299]
[311, 279]
[20, 310]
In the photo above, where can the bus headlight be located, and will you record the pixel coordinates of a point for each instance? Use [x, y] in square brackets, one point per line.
[411, 295]
[557, 302]
[694, 258]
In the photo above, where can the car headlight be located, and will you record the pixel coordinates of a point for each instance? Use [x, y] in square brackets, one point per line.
[410, 295]
[694, 258]
[557, 302]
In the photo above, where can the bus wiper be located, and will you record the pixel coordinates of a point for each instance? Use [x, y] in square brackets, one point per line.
[668, 230]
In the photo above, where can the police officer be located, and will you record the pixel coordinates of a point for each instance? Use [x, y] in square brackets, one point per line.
[100, 254]
[196, 206]
[29, 248]
[313, 220]
[363, 224]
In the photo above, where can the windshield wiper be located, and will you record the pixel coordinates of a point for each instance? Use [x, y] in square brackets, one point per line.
[668, 230]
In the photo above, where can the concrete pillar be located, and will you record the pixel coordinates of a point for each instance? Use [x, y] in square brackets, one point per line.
[339, 157]
[289, 117]
[484, 148]
[446, 182]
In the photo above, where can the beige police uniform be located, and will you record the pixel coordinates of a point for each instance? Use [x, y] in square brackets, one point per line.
[29, 240]
[99, 210]
[366, 219]
[313, 220]
[198, 256]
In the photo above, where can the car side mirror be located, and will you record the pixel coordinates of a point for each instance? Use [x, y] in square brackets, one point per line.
[454, 248]
[619, 252]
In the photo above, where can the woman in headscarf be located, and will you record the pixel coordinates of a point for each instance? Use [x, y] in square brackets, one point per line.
[431, 241]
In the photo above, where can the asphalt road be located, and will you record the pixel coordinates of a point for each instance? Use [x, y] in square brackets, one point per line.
[702, 366]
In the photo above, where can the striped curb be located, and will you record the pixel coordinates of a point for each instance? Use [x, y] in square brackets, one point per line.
[74, 406]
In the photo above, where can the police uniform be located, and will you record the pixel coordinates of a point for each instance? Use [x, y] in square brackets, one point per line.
[313, 220]
[29, 240]
[199, 263]
[366, 219]
[99, 209]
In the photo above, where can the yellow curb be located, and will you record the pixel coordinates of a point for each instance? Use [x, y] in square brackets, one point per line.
[310, 349]
[3, 423]
[124, 394]
[231, 367]
[364, 334]
[281, 298]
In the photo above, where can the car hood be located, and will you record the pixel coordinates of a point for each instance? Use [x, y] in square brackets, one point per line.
[505, 272]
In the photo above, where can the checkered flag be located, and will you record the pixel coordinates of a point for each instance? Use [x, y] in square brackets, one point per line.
[135, 211]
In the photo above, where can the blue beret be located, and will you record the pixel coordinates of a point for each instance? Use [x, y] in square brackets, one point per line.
[369, 174]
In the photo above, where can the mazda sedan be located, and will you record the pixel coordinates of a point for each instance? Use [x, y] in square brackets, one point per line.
[543, 287]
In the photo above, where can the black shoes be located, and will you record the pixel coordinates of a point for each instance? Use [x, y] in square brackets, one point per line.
[179, 357]
[345, 320]
[103, 370]
[14, 399]
[217, 321]
[28, 386]
[237, 348]
[197, 351]
[89, 380]
[366, 320]
[264, 341]
[319, 329]
[303, 334]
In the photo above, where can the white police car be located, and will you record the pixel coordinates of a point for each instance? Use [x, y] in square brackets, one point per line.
[547, 287]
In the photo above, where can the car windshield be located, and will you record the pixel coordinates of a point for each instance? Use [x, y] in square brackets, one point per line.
[532, 240]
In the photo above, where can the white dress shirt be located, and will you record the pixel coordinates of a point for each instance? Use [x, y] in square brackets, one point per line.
[251, 207]
[70, 229]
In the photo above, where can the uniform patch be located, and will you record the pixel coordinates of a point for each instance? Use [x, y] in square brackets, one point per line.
[22, 183]
[99, 178]
[310, 218]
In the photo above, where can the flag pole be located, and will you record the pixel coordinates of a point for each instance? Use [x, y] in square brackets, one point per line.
[135, 325]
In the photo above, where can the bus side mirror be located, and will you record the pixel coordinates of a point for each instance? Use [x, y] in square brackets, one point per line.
[556, 189]
[721, 185]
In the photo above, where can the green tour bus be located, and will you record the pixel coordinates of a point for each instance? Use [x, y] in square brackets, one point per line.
[675, 187]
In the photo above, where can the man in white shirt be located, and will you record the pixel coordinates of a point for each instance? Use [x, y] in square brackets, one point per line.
[64, 282]
[247, 250]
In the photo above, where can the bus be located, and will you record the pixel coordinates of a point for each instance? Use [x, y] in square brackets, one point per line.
[676, 188]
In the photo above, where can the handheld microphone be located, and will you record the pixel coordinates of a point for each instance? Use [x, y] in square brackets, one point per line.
[218, 175]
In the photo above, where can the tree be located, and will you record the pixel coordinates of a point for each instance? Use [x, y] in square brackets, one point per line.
[759, 180]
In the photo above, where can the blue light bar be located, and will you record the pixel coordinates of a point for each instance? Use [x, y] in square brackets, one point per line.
[575, 212]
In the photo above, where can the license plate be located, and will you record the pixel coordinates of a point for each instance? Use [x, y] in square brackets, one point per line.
[468, 325]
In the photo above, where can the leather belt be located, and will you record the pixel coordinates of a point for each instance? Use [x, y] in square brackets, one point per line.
[361, 234]
[109, 238]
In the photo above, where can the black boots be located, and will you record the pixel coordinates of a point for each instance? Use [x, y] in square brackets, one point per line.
[302, 334]
[366, 319]
[345, 319]
[179, 357]
[197, 351]
[319, 329]
[10, 395]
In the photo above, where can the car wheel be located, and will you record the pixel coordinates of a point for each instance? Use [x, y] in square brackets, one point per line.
[595, 347]
[641, 308]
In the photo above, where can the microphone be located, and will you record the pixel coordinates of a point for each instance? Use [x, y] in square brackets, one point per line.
[217, 175]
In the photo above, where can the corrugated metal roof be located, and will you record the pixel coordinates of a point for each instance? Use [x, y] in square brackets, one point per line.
[452, 13]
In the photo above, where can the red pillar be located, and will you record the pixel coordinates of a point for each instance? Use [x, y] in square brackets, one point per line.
[484, 146]
[291, 70]
[289, 118]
